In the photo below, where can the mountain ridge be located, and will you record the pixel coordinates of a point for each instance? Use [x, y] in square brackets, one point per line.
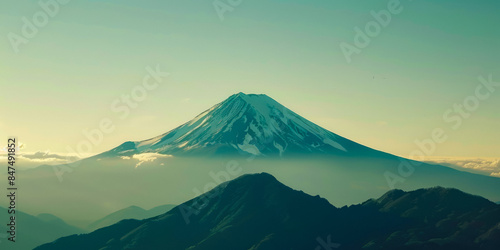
[360, 173]
[258, 212]
[131, 212]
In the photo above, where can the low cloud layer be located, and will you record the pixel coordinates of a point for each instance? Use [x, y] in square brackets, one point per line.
[47, 156]
[145, 157]
[490, 166]
[35, 159]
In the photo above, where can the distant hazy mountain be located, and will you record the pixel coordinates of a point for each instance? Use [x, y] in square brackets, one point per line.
[132, 212]
[245, 124]
[32, 231]
[258, 212]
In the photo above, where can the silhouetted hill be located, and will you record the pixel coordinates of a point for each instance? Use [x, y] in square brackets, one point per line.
[258, 212]
[440, 216]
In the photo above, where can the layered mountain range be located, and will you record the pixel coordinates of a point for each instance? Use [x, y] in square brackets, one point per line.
[258, 212]
[32, 231]
[132, 212]
[256, 133]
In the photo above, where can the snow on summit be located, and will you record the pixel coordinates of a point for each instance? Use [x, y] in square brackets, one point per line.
[244, 124]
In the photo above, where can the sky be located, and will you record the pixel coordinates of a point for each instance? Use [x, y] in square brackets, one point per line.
[72, 73]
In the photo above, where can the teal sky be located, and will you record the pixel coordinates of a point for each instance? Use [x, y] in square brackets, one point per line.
[91, 52]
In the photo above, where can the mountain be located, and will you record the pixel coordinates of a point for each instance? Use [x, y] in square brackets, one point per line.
[257, 125]
[313, 159]
[32, 231]
[258, 212]
[240, 214]
[132, 212]
[440, 218]
[245, 124]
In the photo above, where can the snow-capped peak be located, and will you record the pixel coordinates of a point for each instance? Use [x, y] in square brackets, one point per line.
[245, 123]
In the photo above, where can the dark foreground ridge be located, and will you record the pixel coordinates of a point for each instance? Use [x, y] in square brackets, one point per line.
[258, 212]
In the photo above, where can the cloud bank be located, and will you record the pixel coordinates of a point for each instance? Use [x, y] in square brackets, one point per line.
[145, 157]
[489, 166]
[35, 159]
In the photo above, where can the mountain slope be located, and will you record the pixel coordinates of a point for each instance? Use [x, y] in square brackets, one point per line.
[258, 212]
[132, 212]
[271, 130]
[236, 212]
[440, 216]
[245, 124]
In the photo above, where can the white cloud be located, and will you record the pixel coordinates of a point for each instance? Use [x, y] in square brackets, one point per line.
[495, 174]
[146, 157]
[490, 166]
[41, 156]
[35, 159]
